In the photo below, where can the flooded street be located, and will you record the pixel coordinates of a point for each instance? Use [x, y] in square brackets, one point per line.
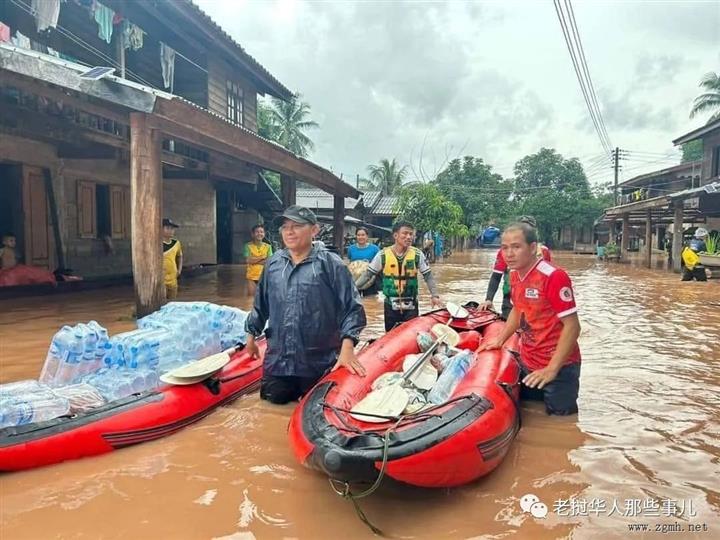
[648, 427]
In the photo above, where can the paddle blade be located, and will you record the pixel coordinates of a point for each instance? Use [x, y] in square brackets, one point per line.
[445, 334]
[389, 401]
[424, 378]
[457, 312]
[203, 367]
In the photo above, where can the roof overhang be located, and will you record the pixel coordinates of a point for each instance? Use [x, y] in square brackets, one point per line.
[173, 115]
[697, 133]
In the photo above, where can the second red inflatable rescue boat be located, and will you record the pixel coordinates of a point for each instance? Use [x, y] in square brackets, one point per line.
[443, 445]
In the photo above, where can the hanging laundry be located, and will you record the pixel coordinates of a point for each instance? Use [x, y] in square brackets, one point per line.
[4, 33]
[118, 18]
[167, 61]
[21, 40]
[132, 36]
[46, 13]
[104, 18]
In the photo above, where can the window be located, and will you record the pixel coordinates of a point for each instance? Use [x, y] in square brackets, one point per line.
[103, 210]
[715, 162]
[234, 103]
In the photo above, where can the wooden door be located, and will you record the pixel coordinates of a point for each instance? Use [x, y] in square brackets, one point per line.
[37, 226]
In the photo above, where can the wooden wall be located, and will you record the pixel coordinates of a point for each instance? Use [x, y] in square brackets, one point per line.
[219, 72]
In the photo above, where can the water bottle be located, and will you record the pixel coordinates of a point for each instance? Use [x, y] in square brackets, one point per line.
[26, 412]
[102, 347]
[451, 376]
[72, 356]
[56, 355]
[21, 388]
[89, 339]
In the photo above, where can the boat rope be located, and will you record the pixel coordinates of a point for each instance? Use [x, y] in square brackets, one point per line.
[346, 492]
[343, 488]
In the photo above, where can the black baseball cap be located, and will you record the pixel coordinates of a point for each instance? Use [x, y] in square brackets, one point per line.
[167, 222]
[298, 214]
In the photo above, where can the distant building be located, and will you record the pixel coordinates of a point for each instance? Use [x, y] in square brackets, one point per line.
[661, 205]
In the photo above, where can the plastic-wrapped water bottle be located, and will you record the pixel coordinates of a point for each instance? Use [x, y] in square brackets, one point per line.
[89, 340]
[26, 412]
[450, 378]
[72, 356]
[103, 346]
[56, 355]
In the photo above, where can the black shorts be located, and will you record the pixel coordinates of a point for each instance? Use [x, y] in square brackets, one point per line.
[697, 273]
[395, 317]
[280, 389]
[560, 396]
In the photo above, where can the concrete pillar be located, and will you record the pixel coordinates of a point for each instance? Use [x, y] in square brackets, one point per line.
[625, 240]
[677, 237]
[146, 215]
[648, 238]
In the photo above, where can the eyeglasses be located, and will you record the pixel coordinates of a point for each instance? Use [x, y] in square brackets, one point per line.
[292, 227]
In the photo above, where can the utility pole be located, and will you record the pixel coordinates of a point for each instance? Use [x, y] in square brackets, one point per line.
[616, 156]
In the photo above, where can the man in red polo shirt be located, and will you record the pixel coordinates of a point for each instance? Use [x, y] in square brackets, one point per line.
[501, 271]
[545, 314]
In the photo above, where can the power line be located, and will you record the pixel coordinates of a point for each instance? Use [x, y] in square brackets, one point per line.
[585, 87]
[583, 61]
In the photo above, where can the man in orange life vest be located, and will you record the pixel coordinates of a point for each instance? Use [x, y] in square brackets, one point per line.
[545, 313]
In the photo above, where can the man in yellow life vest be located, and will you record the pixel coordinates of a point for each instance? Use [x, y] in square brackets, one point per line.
[256, 253]
[398, 267]
[172, 258]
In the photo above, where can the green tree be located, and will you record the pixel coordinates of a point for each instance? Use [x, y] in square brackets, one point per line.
[692, 151]
[482, 194]
[556, 192]
[709, 101]
[286, 122]
[387, 176]
[549, 170]
[428, 209]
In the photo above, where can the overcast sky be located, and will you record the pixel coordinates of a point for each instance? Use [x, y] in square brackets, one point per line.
[488, 79]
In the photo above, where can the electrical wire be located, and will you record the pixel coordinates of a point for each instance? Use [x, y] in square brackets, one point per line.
[605, 143]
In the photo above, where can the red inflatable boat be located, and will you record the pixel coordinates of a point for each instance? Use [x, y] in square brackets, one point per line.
[446, 445]
[135, 419]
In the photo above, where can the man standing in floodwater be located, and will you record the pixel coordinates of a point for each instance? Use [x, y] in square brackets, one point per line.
[313, 310]
[398, 267]
[545, 313]
[502, 272]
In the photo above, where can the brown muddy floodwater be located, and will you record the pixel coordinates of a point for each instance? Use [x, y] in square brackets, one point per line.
[648, 429]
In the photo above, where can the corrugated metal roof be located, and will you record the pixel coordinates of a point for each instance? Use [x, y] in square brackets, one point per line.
[369, 198]
[689, 166]
[385, 205]
[317, 199]
[280, 89]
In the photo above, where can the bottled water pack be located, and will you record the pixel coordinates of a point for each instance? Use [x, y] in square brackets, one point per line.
[85, 367]
[25, 402]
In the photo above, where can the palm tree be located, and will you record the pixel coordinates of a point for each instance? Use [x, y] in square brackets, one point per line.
[387, 175]
[285, 122]
[710, 100]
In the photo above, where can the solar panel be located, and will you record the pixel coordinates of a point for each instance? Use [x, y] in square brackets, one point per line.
[97, 73]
